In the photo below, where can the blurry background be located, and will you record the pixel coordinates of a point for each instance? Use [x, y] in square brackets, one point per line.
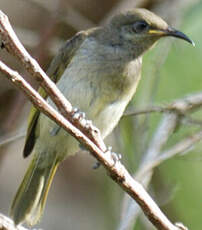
[80, 197]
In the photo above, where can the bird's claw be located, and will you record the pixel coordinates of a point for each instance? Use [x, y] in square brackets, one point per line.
[96, 165]
[78, 115]
[115, 156]
[81, 117]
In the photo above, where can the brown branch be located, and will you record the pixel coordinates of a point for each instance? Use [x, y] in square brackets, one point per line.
[150, 109]
[191, 121]
[115, 169]
[180, 106]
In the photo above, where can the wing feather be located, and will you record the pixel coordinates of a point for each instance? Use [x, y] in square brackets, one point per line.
[55, 71]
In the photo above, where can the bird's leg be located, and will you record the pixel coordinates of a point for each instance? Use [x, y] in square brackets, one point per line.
[78, 115]
[96, 165]
[55, 130]
[116, 157]
[81, 117]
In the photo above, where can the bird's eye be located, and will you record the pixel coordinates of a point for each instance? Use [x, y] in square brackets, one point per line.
[140, 26]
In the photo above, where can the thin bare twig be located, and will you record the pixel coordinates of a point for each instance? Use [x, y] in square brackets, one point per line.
[187, 120]
[149, 109]
[8, 140]
[180, 106]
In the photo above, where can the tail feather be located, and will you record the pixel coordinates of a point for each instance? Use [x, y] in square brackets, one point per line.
[31, 196]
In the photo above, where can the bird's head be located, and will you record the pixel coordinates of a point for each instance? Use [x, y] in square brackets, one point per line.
[142, 29]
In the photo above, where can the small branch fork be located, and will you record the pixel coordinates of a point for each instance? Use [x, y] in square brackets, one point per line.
[88, 135]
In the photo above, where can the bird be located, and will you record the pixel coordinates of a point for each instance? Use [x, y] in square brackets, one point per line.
[98, 71]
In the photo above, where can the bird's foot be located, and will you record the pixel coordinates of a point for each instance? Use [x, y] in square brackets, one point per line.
[116, 157]
[81, 118]
[96, 165]
[78, 115]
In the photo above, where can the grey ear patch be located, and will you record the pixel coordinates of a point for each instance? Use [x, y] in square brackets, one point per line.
[54, 131]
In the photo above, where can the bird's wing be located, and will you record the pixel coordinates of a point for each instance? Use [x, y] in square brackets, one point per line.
[55, 71]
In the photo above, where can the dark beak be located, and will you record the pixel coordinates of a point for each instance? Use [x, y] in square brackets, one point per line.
[175, 33]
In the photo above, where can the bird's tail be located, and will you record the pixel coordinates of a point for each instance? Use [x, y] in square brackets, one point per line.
[31, 196]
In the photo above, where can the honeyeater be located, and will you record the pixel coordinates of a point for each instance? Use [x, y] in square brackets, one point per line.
[98, 71]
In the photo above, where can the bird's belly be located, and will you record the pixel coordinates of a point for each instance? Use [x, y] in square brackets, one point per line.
[108, 118]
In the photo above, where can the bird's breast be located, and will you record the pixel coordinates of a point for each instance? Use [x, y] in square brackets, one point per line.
[101, 85]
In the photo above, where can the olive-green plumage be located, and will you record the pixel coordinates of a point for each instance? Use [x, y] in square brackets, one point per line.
[98, 70]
